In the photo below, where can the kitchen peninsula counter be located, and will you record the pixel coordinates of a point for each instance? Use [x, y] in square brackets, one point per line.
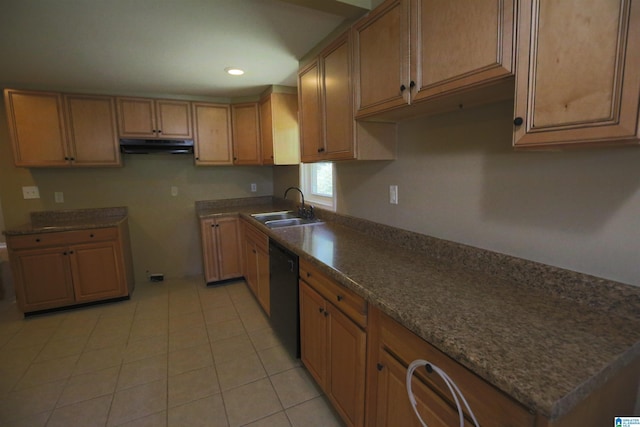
[545, 336]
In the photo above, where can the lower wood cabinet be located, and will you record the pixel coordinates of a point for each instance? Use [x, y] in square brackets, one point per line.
[392, 348]
[256, 269]
[54, 270]
[333, 344]
[221, 253]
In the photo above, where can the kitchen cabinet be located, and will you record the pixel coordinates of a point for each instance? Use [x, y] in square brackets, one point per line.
[65, 268]
[578, 80]
[221, 253]
[279, 129]
[256, 250]
[212, 134]
[61, 130]
[245, 119]
[333, 341]
[411, 51]
[392, 348]
[328, 127]
[154, 118]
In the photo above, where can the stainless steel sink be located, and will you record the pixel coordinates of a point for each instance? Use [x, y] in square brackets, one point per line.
[283, 219]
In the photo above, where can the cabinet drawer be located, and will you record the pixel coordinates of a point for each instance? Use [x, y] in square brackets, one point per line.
[257, 237]
[346, 300]
[61, 238]
[490, 405]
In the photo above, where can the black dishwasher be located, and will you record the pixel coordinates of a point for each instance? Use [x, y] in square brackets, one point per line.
[283, 292]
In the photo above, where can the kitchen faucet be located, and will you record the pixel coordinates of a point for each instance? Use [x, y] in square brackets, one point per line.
[303, 211]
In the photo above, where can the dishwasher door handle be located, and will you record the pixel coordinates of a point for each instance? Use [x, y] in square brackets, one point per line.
[291, 264]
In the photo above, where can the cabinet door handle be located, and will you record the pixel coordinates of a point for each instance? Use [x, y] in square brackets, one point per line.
[380, 366]
[326, 313]
[91, 235]
[37, 240]
[403, 88]
[321, 150]
[320, 309]
[518, 121]
[339, 297]
[412, 84]
[64, 253]
[308, 274]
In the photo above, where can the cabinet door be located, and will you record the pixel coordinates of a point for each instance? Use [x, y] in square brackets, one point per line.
[286, 135]
[337, 105]
[93, 135]
[393, 406]
[228, 248]
[347, 358]
[97, 271]
[381, 62]
[42, 278]
[246, 134]
[37, 128]
[173, 119]
[251, 261]
[579, 73]
[212, 134]
[209, 250]
[313, 334]
[266, 130]
[310, 113]
[460, 43]
[264, 290]
[136, 118]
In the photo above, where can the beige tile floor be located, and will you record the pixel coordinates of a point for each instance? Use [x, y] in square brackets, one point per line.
[177, 354]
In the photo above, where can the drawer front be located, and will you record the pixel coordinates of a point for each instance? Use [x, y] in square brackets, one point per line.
[490, 405]
[62, 238]
[346, 300]
[256, 236]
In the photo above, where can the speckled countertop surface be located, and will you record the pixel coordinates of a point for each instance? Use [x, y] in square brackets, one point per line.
[71, 219]
[546, 346]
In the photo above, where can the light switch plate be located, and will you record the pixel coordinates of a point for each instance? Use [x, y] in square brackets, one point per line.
[58, 196]
[30, 192]
[393, 194]
[254, 187]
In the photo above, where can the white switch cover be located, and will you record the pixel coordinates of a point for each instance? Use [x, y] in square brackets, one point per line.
[30, 193]
[254, 187]
[174, 191]
[393, 194]
[59, 196]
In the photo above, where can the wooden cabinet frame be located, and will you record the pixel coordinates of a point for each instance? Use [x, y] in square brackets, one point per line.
[221, 248]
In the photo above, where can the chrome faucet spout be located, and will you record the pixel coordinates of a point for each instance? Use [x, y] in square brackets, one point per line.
[295, 188]
[303, 211]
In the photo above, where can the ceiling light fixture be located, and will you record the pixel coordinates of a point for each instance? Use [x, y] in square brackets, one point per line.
[234, 71]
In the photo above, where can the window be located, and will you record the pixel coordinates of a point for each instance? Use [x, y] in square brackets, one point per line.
[318, 184]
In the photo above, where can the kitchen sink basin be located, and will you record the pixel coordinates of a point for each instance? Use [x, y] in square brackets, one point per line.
[283, 219]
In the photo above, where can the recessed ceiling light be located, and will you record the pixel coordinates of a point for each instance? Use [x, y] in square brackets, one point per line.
[234, 71]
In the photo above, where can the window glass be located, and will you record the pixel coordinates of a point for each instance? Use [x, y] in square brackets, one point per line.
[318, 184]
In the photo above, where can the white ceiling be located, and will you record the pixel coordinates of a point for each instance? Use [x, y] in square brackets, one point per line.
[168, 47]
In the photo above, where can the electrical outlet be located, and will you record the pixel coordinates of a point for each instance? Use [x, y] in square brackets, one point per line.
[174, 191]
[254, 187]
[58, 196]
[393, 194]
[30, 192]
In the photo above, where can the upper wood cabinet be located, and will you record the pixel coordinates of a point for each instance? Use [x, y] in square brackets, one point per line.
[93, 136]
[55, 130]
[212, 134]
[578, 79]
[279, 129]
[407, 51]
[328, 127]
[245, 119]
[154, 118]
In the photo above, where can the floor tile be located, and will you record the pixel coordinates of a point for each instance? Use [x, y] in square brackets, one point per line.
[232, 348]
[95, 360]
[223, 330]
[240, 371]
[193, 385]
[89, 386]
[279, 419]
[189, 337]
[242, 410]
[188, 359]
[185, 321]
[23, 403]
[216, 315]
[159, 419]
[277, 359]
[295, 386]
[144, 348]
[314, 413]
[33, 420]
[47, 371]
[207, 412]
[137, 402]
[89, 413]
[56, 349]
[264, 338]
[142, 371]
[255, 321]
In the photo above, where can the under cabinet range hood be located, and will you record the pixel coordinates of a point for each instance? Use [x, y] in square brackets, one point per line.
[152, 146]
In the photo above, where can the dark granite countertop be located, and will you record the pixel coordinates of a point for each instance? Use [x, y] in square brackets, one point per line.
[70, 219]
[545, 336]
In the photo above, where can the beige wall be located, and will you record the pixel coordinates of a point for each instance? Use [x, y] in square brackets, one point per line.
[164, 232]
[460, 180]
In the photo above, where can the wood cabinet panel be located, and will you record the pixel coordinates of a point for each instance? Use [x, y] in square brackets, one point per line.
[558, 103]
[97, 272]
[37, 128]
[221, 249]
[313, 334]
[279, 129]
[93, 134]
[212, 134]
[173, 119]
[256, 249]
[154, 118]
[310, 116]
[245, 120]
[266, 131]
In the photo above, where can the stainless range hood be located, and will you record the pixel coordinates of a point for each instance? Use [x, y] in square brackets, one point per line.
[153, 146]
